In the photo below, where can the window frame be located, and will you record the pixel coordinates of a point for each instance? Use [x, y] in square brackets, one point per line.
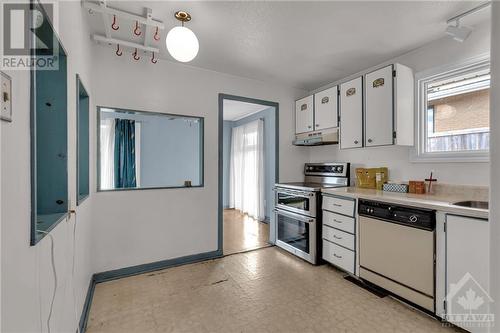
[418, 154]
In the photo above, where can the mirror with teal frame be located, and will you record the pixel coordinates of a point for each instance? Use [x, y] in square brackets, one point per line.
[82, 138]
[49, 128]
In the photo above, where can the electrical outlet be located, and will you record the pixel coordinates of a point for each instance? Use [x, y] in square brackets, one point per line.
[5, 97]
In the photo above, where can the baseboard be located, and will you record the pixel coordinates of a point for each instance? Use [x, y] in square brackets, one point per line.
[135, 270]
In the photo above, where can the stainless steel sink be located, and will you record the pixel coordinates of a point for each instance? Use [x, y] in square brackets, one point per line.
[472, 204]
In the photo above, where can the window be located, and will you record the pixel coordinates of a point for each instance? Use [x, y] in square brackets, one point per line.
[454, 114]
[139, 150]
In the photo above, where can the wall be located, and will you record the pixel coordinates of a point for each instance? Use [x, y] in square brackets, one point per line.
[27, 280]
[268, 116]
[137, 227]
[438, 53]
[170, 152]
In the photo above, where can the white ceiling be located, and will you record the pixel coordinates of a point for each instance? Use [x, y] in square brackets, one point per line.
[235, 110]
[300, 43]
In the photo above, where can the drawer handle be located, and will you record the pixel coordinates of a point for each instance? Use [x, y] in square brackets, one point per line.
[356, 142]
[337, 237]
[337, 256]
[370, 140]
[334, 220]
[337, 205]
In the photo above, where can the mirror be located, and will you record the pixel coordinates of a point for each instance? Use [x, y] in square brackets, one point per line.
[49, 130]
[140, 150]
[82, 120]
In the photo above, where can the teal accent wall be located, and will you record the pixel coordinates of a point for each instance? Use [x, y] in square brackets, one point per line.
[269, 117]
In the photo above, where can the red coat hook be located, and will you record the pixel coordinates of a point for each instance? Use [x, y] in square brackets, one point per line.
[114, 26]
[137, 30]
[136, 57]
[118, 51]
[156, 35]
[153, 60]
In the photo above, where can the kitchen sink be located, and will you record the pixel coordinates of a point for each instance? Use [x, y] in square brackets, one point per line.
[472, 204]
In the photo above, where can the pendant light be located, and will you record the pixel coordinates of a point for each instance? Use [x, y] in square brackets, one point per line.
[182, 43]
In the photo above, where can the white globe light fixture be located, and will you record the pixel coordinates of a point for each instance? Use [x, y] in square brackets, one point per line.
[182, 43]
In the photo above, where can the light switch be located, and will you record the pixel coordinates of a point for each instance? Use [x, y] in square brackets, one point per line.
[5, 97]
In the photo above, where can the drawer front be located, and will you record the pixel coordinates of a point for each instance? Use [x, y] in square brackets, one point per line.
[337, 221]
[338, 205]
[339, 237]
[338, 256]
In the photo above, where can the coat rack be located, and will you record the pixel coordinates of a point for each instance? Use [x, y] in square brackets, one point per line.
[115, 20]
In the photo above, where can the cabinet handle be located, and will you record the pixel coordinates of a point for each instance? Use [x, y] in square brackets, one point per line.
[337, 205]
[370, 140]
[337, 237]
[337, 221]
[325, 100]
[309, 126]
[337, 256]
[317, 125]
[303, 107]
[356, 142]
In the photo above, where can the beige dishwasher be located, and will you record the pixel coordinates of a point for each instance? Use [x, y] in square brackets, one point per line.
[397, 250]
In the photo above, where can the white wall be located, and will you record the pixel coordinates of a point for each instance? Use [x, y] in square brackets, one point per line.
[137, 227]
[26, 271]
[495, 161]
[438, 53]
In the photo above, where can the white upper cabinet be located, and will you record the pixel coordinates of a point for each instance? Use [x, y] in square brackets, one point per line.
[325, 109]
[351, 114]
[379, 105]
[389, 105]
[304, 115]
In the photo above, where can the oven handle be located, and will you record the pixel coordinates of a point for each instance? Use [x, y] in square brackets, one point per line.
[297, 193]
[299, 217]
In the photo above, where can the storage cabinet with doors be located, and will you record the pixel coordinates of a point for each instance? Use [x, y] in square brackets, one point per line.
[326, 109]
[339, 232]
[351, 114]
[304, 115]
[389, 105]
[462, 270]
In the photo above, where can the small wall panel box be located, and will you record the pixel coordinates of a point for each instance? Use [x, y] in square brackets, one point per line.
[5, 97]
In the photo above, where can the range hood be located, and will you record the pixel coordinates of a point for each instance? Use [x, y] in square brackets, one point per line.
[317, 138]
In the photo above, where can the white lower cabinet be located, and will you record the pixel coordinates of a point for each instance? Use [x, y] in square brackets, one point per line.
[339, 232]
[463, 268]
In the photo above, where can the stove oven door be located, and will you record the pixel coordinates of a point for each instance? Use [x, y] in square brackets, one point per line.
[301, 202]
[297, 234]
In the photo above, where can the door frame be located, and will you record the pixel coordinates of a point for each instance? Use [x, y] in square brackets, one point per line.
[220, 213]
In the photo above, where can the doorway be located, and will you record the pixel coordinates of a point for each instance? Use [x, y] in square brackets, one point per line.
[248, 164]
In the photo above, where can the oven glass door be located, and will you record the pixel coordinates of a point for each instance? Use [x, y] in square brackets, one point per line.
[303, 203]
[297, 233]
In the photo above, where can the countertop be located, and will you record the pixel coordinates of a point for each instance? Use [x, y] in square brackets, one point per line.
[431, 201]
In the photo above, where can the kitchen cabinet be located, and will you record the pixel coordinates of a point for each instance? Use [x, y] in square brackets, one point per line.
[304, 115]
[389, 106]
[351, 114]
[339, 232]
[325, 109]
[466, 268]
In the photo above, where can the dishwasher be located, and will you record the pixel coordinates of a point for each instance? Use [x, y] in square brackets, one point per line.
[397, 250]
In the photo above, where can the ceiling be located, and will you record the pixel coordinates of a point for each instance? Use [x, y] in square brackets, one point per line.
[302, 44]
[235, 110]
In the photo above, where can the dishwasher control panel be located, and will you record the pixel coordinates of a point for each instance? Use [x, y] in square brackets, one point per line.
[408, 216]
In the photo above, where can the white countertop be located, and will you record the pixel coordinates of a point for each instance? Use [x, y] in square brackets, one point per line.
[430, 201]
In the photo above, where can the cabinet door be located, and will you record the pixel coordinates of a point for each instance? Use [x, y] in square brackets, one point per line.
[379, 108]
[467, 252]
[304, 115]
[351, 114]
[325, 109]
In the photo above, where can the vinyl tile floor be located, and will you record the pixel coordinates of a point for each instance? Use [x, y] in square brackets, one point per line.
[266, 290]
[243, 233]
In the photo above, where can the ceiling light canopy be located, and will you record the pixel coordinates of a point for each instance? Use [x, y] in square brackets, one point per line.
[458, 32]
[182, 43]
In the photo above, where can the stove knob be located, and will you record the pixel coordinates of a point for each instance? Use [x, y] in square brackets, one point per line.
[413, 219]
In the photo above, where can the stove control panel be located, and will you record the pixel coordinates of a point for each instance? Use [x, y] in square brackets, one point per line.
[327, 169]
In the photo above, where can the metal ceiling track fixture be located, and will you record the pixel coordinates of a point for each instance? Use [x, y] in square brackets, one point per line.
[461, 32]
[116, 19]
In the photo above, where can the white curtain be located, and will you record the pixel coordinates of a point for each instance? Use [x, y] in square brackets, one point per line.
[107, 138]
[246, 179]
